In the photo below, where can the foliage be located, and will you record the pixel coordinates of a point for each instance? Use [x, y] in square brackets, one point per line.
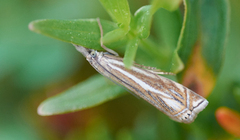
[186, 37]
[201, 55]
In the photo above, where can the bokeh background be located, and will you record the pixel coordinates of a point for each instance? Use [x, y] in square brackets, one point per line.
[34, 67]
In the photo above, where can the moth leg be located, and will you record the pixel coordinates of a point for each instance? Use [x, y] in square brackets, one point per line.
[101, 42]
[163, 73]
[154, 70]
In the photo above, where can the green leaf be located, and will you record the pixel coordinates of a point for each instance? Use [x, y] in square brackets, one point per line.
[119, 11]
[92, 92]
[142, 21]
[84, 32]
[189, 32]
[170, 5]
[214, 30]
[130, 52]
[201, 43]
[114, 36]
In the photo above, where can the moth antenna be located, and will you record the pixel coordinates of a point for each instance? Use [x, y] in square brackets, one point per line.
[101, 42]
[162, 72]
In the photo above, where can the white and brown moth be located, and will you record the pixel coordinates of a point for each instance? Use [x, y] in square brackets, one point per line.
[178, 102]
[175, 100]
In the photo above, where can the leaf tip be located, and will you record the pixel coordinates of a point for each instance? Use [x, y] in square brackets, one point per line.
[31, 26]
[41, 111]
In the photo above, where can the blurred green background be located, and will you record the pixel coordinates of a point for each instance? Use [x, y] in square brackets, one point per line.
[34, 67]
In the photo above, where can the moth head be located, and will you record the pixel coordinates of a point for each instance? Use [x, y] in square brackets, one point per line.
[93, 53]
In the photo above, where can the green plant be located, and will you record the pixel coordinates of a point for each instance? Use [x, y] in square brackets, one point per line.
[191, 45]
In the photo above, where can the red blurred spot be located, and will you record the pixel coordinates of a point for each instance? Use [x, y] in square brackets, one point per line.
[229, 120]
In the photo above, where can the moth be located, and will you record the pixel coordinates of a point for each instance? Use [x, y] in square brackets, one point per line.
[175, 100]
[178, 102]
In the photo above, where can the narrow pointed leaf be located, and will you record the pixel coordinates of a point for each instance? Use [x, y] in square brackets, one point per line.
[143, 20]
[84, 32]
[92, 92]
[201, 43]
